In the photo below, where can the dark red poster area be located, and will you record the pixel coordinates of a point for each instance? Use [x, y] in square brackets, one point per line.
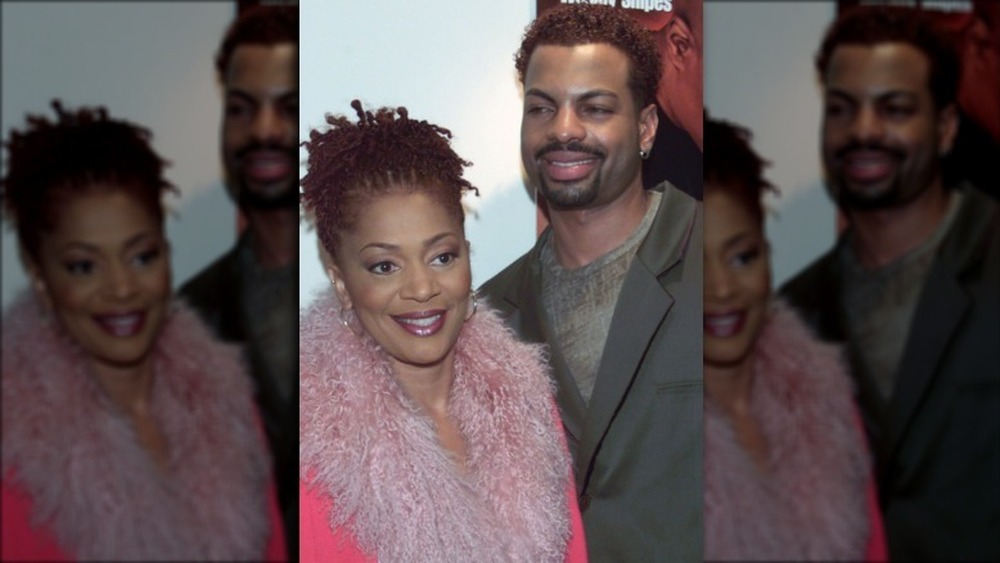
[975, 27]
[677, 151]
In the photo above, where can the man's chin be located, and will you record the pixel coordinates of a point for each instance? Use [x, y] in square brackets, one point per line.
[251, 197]
[568, 195]
[868, 198]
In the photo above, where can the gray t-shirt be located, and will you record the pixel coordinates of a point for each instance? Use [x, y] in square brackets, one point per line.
[269, 305]
[880, 303]
[580, 302]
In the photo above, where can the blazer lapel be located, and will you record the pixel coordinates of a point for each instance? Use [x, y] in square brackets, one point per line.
[642, 306]
[934, 321]
[943, 303]
[529, 321]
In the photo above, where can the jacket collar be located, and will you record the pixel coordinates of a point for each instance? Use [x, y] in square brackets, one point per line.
[962, 252]
[635, 321]
[943, 303]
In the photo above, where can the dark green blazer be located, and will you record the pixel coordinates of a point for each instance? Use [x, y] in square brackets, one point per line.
[638, 447]
[937, 440]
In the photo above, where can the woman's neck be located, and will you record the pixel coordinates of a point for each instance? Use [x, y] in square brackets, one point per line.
[430, 388]
[729, 387]
[130, 390]
[128, 387]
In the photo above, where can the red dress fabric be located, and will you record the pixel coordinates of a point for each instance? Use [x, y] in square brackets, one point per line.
[319, 543]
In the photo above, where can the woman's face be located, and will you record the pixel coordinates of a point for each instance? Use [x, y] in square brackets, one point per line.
[104, 272]
[737, 278]
[404, 270]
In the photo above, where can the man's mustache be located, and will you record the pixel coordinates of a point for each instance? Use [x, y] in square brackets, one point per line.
[573, 146]
[265, 146]
[877, 147]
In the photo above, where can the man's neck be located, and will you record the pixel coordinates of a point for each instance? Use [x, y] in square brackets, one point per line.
[275, 236]
[884, 235]
[582, 236]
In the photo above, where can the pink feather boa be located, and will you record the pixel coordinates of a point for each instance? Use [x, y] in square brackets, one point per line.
[812, 505]
[91, 483]
[367, 447]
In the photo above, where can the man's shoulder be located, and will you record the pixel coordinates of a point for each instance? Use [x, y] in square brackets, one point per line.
[808, 286]
[504, 282]
[207, 282]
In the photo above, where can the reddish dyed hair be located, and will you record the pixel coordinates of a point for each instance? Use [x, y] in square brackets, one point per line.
[568, 25]
[732, 165]
[80, 152]
[874, 25]
[259, 25]
[384, 152]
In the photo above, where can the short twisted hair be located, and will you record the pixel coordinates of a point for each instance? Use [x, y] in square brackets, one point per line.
[569, 25]
[82, 150]
[732, 164]
[874, 25]
[259, 25]
[385, 151]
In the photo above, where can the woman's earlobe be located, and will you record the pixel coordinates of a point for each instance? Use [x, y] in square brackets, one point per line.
[339, 288]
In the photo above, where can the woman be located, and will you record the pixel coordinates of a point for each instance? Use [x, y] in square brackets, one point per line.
[428, 433]
[128, 432]
[787, 474]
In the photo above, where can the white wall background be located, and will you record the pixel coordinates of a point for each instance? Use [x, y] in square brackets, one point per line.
[759, 73]
[148, 62]
[448, 62]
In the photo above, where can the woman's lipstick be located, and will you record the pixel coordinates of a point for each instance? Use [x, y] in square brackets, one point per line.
[725, 325]
[124, 325]
[421, 323]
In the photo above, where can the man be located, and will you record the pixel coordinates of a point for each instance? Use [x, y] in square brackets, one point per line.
[613, 286]
[912, 287]
[249, 295]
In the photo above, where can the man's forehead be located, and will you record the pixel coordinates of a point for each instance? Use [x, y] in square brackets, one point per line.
[253, 61]
[881, 63]
[602, 58]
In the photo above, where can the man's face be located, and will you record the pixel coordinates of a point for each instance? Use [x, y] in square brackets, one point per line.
[882, 136]
[580, 131]
[260, 125]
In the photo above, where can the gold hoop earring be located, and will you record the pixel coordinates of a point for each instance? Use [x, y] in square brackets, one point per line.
[475, 303]
[346, 318]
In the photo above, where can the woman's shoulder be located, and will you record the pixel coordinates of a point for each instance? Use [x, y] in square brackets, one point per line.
[23, 540]
[187, 344]
[489, 345]
[788, 346]
[318, 539]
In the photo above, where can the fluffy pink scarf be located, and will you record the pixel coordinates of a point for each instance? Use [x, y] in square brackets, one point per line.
[90, 481]
[811, 505]
[376, 455]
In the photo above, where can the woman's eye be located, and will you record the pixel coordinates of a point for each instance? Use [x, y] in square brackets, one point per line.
[445, 259]
[382, 268]
[147, 257]
[746, 257]
[80, 267]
